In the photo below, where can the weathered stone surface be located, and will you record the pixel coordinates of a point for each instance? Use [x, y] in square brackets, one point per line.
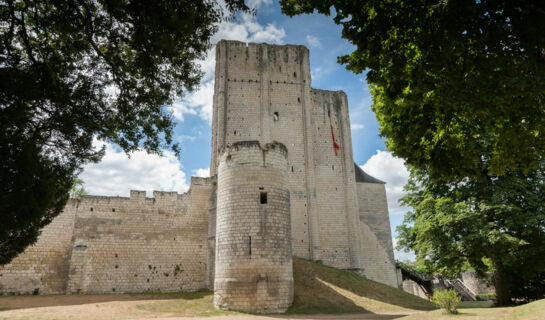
[253, 270]
[262, 93]
[116, 244]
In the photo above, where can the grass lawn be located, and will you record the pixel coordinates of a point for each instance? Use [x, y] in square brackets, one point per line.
[319, 290]
[531, 311]
[200, 303]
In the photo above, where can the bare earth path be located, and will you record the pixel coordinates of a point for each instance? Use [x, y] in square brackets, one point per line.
[125, 306]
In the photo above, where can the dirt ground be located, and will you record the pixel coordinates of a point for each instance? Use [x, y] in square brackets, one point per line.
[125, 306]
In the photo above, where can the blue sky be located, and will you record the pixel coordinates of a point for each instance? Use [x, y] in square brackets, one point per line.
[117, 174]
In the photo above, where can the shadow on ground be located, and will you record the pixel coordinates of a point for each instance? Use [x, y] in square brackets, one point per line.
[24, 302]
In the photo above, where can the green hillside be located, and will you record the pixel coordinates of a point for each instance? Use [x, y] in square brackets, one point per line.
[322, 289]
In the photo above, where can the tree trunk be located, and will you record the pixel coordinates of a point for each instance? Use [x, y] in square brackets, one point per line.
[503, 292]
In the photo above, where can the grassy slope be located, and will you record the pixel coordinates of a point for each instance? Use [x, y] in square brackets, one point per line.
[322, 289]
[318, 289]
[530, 311]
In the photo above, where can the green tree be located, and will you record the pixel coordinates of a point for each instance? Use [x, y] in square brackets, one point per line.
[448, 75]
[72, 71]
[489, 223]
[77, 189]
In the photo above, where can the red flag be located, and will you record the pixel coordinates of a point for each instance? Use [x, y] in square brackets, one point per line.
[335, 144]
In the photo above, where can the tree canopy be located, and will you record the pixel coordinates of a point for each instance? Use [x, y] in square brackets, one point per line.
[449, 79]
[489, 223]
[73, 71]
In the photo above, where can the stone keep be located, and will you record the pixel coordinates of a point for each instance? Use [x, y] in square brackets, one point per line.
[320, 205]
[254, 271]
[339, 214]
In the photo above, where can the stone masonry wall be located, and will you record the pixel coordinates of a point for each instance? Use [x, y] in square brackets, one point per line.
[115, 244]
[262, 93]
[43, 266]
[476, 284]
[378, 263]
[337, 240]
[254, 270]
[168, 243]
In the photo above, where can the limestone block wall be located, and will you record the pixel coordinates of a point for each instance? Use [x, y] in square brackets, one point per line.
[336, 241]
[141, 244]
[118, 244]
[44, 265]
[413, 288]
[378, 262]
[476, 284]
[254, 270]
[211, 245]
[262, 93]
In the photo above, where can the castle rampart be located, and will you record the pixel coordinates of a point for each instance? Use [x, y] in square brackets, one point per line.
[119, 244]
[270, 130]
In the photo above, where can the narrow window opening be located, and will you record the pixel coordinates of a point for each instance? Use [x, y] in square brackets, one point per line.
[235, 132]
[298, 99]
[113, 209]
[292, 169]
[91, 209]
[250, 245]
[263, 197]
[295, 74]
[276, 116]
[280, 68]
[333, 168]
[329, 113]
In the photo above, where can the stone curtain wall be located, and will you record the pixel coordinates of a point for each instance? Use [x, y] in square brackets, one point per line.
[115, 244]
[43, 267]
[254, 270]
[379, 263]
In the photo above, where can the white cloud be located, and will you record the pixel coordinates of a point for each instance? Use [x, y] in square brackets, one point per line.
[117, 174]
[257, 3]
[356, 126]
[384, 166]
[313, 41]
[201, 172]
[183, 138]
[179, 109]
[245, 28]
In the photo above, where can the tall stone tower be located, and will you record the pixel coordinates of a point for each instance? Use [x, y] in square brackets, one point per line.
[339, 214]
[253, 271]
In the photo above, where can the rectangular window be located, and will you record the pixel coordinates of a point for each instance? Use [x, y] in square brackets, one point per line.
[263, 197]
[276, 117]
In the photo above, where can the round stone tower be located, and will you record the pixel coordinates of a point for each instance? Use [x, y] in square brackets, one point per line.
[254, 270]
